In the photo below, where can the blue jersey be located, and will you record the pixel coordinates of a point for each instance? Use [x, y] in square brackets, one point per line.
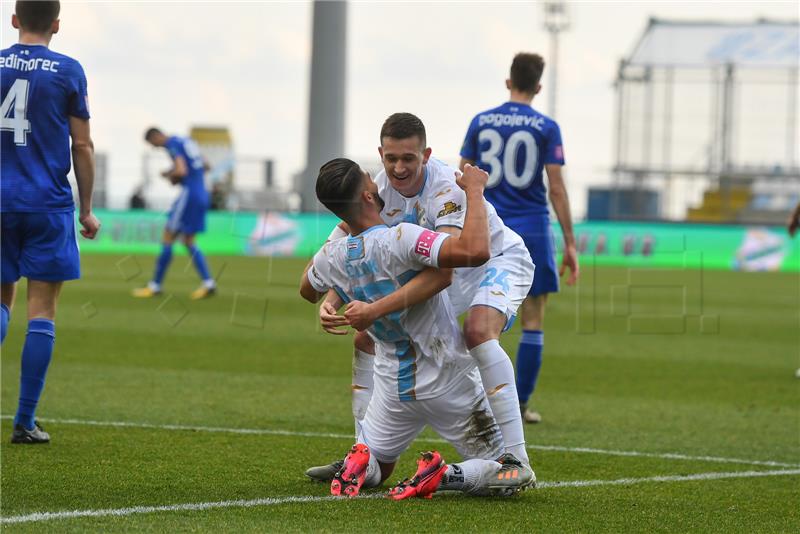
[41, 90]
[186, 148]
[513, 143]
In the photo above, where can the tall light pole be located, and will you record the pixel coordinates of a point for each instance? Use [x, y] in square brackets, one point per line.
[556, 20]
[326, 110]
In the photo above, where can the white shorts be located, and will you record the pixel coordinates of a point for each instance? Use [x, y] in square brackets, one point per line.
[461, 416]
[501, 283]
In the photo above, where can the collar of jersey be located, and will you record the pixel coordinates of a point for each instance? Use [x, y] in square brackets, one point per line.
[424, 183]
[368, 230]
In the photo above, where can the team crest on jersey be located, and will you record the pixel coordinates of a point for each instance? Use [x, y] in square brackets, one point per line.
[399, 232]
[443, 192]
[393, 212]
[449, 208]
[355, 248]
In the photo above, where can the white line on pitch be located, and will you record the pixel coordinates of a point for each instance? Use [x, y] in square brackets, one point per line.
[281, 432]
[272, 501]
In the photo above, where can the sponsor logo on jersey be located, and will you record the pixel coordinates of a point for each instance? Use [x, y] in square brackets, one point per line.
[449, 208]
[393, 212]
[425, 243]
[559, 152]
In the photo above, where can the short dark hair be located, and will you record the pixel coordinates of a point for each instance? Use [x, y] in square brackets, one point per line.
[37, 15]
[403, 126]
[339, 183]
[526, 71]
[152, 131]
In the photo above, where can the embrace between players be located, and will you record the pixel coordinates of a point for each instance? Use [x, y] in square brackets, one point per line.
[403, 235]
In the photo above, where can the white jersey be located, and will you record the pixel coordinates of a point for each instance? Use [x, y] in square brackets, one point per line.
[420, 350]
[501, 283]
[442, 203]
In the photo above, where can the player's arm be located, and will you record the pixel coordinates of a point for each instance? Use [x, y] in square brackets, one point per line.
[361, 315]
[178, 171]
[464, 162]
[469, 247]
[308, 291]
[560, 201]
[466, 248]
[83, 161]
[794, 221]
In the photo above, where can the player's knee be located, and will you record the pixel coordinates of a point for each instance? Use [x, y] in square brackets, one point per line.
[364, 343]
[476, 333]
[480, 326]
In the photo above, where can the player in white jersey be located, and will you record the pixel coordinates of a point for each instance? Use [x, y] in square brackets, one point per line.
[423, 372]
[422, 190]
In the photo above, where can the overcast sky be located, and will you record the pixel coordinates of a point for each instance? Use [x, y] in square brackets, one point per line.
[246, 65]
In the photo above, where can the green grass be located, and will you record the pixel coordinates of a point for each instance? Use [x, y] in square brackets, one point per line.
[700, 364]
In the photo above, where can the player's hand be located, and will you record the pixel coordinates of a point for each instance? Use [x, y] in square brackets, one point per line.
[472, 178]
[91, 225]
[359, 315]
[330, 320]
[570, 261]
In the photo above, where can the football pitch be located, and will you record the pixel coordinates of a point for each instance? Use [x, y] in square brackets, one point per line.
[669, 404]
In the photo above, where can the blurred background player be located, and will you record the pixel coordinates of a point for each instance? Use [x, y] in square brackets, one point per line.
[423, 372]
[44, 103]
[513, 143]
[187, 217]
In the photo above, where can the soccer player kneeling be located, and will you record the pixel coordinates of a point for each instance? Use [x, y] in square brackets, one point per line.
[423, 372]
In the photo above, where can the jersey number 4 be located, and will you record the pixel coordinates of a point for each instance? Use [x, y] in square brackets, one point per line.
[496, 150]
[13, 110]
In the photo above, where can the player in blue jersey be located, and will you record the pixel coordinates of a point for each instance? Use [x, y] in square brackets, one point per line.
[514, 143]
[44, 104]
[187, 217]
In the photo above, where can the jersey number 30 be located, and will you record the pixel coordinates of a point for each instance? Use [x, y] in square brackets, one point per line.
[496, 150]
[16, 101]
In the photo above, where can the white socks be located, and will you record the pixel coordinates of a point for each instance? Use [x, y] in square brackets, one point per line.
[497, 375]
[373, 478]
[468, 476]
[362, 385]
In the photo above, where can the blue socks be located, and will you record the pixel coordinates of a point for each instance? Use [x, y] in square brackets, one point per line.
[529, 361]
[199, 263]
[36, 355]
[6, 317]
[162, 263]
[164, 259]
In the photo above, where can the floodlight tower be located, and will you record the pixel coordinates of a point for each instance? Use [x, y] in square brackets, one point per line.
[556, 20]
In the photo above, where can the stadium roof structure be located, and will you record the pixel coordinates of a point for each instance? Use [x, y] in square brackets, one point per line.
[703, 104]
[689, 44]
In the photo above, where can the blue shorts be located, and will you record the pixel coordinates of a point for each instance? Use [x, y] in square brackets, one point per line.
[39, 246]
[188, 214]
[538, 236]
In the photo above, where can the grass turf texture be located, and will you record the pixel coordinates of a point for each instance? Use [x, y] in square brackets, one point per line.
[253, 357]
